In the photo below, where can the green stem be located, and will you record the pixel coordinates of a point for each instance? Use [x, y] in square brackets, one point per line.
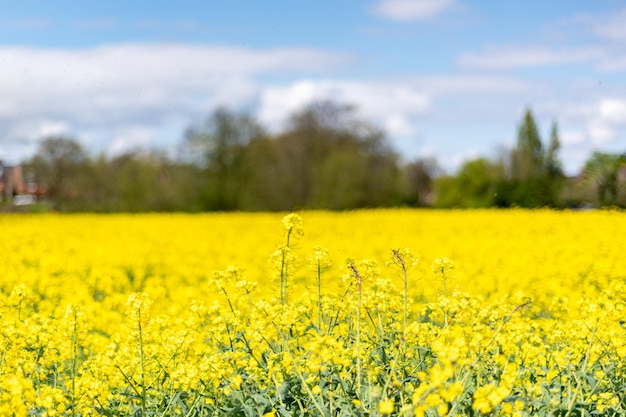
[400, 260]
[358, 339]
[74, 358]
[406, 302]
[319, 296]
[445, 293]
[284, 272]
[358, 325]
[141, 364]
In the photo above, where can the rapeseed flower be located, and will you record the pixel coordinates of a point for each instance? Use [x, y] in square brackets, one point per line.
[128, 322]
[293, 226]
[386, 407]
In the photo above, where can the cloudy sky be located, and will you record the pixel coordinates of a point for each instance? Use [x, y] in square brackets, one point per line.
[444, 78]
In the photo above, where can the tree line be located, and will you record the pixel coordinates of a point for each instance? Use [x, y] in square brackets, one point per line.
[326, 157]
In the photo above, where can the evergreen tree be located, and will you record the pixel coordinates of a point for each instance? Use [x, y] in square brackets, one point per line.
[536, 175]
[528, 157]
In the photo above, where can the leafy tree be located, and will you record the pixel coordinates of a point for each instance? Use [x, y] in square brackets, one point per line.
[314, 134]
[554, 167]
[60, 163]
[475, 185]
[603, 169]
[147, 181]
[340, 181]
[528, 157]
[326, 158]
[535, 174]
[418, 181]
[220, 145]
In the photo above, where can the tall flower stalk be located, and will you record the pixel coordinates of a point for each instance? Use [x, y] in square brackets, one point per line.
[72, 314]
[319, 261]
[292, 229]
[138, 309]
[444, 267]
[359, 288]
[405, 260]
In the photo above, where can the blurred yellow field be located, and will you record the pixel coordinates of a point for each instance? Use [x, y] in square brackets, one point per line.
[500, 313]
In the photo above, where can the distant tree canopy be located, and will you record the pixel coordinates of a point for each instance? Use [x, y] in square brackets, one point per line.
[325, 157]
[533, 173]
[222, 146]
[131, 182]
[604, 170]
[62, 162]
[475, 185]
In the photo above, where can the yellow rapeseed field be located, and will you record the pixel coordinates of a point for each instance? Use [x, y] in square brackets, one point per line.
[365, 313]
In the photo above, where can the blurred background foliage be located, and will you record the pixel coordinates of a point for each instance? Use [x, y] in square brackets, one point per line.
[326, 157]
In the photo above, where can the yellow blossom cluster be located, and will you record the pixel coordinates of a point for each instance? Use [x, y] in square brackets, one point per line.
[480, 312]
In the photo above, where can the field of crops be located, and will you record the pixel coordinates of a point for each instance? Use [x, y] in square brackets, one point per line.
[366, 313]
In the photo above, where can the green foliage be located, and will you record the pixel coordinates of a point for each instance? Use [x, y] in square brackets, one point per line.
[131, 182]
[63, 162]
[528, 158]
[221, 146]
[417, 182]
[603, 169]
[475, 185]
[530, 175]
[535, 175]
[325, 158]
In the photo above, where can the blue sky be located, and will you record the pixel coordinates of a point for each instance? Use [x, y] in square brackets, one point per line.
[444, 78]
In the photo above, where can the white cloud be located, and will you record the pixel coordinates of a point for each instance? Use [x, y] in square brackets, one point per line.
[393, 106]
[408, 10]
[615, 30]
[52, 128]
[117, 97]
[587, 121]
[130, 139]
[606, 120]
[600, 132]
[613, 63]
[392, 102]
[609, 26]
[613, 110]
[400, 125]
[516, 56]
[106, 89]
[572, 137]
[30, 132]
[467, 84]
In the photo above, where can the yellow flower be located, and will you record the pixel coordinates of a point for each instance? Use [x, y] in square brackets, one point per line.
[214, 339]
[442, 266]
[507, 408]
[482, 404]
[320, 258]
[385, 407]
[404, 258]
[138, 307]
[453, 391]
[236, 381]
[293, 225]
